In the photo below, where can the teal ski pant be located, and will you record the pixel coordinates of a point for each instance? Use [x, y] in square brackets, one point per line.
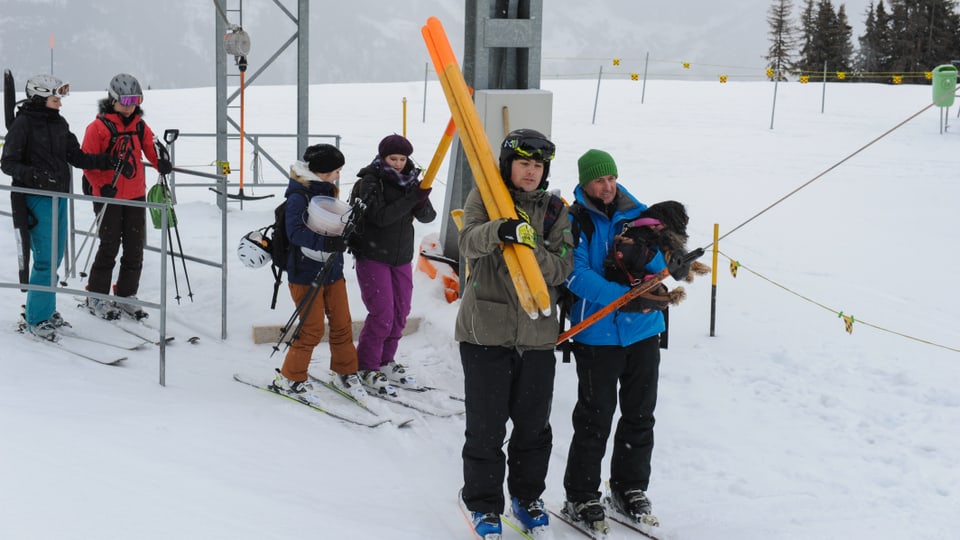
[40, 304]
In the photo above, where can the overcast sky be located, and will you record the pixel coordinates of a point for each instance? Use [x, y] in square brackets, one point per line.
[171, 43]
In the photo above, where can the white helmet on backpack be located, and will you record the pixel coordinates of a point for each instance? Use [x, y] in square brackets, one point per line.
[44, 86]
[254, 250]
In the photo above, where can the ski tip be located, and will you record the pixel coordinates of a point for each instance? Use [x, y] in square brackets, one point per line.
[403, 423]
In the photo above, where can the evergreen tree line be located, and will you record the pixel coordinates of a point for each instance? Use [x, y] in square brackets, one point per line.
[902, 40]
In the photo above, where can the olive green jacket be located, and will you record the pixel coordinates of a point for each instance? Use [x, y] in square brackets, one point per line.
[490, 312]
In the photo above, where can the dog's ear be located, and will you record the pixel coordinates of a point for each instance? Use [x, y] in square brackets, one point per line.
[672, 242]
[672, 214]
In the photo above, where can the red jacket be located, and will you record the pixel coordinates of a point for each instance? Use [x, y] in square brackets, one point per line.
[97, 138]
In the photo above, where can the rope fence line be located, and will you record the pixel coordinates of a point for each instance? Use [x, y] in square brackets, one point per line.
[729, 71]
[848, 320]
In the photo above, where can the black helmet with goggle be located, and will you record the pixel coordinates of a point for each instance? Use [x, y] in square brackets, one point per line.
[526, 144]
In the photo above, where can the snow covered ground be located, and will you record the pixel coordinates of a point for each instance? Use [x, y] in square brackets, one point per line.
[782, 426]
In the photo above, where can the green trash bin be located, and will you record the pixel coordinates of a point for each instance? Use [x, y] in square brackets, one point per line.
[944, 84]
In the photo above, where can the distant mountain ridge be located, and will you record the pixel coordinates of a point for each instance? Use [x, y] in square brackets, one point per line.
[171, 43]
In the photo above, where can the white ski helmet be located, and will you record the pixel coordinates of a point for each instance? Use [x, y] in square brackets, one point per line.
[254, 250]
[44, 86]
[124, 84]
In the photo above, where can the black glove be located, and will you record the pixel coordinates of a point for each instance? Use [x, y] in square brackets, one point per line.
[679, 265]
[517, 232]
[334, 243]
[164, 166]
[423, 195]
[679, 268]
[104, 162]
[127, 169]
[42, 178]
[108, 191]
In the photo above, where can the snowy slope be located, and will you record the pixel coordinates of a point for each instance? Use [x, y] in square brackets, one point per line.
[781, 426]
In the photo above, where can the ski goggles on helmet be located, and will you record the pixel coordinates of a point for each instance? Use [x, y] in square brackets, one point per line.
[127, 101]
[533, 148]
[61, 91]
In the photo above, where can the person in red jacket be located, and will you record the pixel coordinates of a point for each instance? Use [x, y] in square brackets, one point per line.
[119, 130]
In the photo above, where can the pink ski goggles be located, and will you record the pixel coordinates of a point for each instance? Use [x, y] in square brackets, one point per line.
[127, 101]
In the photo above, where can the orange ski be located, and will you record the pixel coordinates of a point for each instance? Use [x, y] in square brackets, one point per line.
[524, 271]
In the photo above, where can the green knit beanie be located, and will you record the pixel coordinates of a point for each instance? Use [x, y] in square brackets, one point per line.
[595, 163]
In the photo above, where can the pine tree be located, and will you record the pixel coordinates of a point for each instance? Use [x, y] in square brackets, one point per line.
[868, 55]
[782, 39]
[842, 47]
[923, 34]
[827, 36]
[808, 29]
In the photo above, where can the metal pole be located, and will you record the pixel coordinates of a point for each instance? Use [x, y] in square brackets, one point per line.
[221, 90]
[776, 74]
[596, 96]
[303, 75]
[222, 195]
[773, 109]
[426, 73]
[713, 283]
[646, 64]
[163, 294]
[823, 95]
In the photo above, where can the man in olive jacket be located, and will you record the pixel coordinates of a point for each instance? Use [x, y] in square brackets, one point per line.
[508, 358]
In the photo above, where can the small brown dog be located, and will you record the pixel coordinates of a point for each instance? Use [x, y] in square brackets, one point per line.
[662, 226]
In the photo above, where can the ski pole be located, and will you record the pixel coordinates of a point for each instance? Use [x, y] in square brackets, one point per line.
[304, 308]
[173, 264]
[183, 260]
[306, 303]
[634, 292]
[124, 155]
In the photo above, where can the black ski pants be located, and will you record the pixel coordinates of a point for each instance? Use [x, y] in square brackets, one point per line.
[501, 384]
[599, 370]
[126, 226]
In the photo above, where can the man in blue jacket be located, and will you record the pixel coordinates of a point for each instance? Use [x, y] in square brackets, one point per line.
[622, 348]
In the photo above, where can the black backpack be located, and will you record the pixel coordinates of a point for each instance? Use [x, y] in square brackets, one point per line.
[115, 134]
[580, 224]
[279, 242]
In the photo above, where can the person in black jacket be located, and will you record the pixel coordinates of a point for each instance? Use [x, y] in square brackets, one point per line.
[390, 188]
[38, 152]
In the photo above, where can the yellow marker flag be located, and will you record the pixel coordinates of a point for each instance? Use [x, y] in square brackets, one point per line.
[734, 266]
[847, 322]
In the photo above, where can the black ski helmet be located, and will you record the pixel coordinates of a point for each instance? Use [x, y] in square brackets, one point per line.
[124, 84]
[526, 143]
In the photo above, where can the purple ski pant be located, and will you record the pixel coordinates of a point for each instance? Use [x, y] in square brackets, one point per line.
[386, 291]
